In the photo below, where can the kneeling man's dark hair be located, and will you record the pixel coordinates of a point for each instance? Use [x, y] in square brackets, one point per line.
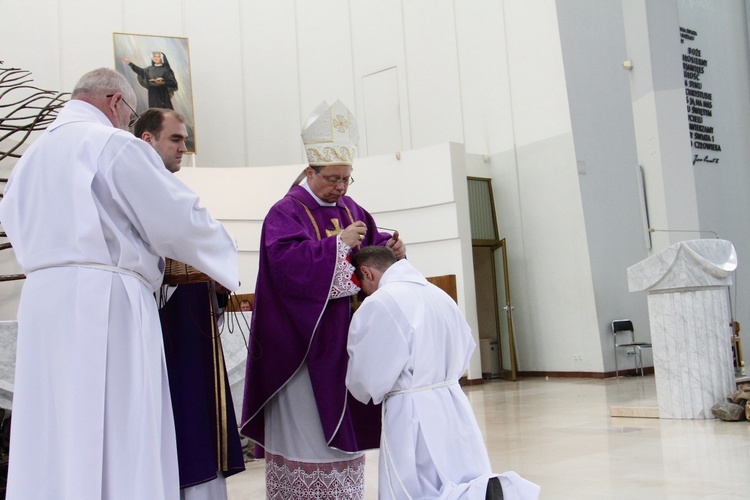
[381, 258]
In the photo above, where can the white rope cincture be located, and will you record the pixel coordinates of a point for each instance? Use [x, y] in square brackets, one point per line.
[421, 388]
[389, 458]
[103, 267]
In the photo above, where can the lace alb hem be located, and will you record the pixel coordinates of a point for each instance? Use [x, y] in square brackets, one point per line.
[286, 479]
[343, 286]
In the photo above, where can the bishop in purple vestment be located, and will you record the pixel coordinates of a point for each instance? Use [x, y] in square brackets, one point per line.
[303, 305]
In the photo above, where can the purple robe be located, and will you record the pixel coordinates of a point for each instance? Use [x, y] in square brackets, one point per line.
[294, 321]
[207, 439]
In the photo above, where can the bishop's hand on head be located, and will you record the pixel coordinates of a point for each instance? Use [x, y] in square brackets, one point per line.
[397, 245]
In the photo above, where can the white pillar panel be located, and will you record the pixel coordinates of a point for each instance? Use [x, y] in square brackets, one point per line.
[484, 76]
[8, 337]
[537, 73]
[661, 128]
[691, 333]
[324, 48]
[377, 30]
[381, 115]
[215, 37]
[270, 92]
[432, 72]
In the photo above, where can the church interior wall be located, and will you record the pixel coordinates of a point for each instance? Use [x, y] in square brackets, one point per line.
[722, 188]
[255, 84]
[485, 74]
[563, 318]
[607, 164]
[683, 195]
[555, 317]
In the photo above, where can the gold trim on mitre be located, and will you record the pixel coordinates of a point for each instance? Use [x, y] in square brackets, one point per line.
[330, 135]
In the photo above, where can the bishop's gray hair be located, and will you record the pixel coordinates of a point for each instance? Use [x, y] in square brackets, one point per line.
[103, 80]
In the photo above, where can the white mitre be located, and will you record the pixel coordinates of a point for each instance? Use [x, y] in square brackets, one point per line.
[330, 135]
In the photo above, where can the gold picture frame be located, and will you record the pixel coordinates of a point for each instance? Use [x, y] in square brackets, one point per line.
[135, 59]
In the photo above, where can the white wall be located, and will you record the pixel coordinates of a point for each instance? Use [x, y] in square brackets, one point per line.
[541, 213]
[487, 115]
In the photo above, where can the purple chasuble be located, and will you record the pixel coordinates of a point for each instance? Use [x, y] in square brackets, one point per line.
[294, 321]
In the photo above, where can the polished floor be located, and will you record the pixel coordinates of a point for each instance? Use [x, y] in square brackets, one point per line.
[559, 434]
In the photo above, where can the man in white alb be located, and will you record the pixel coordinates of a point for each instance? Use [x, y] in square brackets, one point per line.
[408, 345]
[91, 212]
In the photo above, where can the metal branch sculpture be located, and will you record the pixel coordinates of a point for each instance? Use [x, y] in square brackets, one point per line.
[24, 108]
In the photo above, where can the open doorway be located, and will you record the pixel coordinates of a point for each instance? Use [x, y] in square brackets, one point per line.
[494, 312]
[494, 307]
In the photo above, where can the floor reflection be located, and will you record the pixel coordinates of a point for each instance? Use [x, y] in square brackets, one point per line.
[559, 434]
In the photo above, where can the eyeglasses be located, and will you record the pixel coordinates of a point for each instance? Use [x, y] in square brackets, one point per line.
[135, 115]
[332, 181]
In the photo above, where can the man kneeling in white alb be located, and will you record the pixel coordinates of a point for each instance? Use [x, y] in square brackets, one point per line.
[408, 345]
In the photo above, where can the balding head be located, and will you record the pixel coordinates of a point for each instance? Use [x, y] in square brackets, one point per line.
[102, 81]
[106, 90]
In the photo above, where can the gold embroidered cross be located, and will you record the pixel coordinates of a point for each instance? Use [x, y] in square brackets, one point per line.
[337, 229]
[341, 123]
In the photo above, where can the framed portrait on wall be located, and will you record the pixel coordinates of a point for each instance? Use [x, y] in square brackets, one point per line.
[158, 69]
